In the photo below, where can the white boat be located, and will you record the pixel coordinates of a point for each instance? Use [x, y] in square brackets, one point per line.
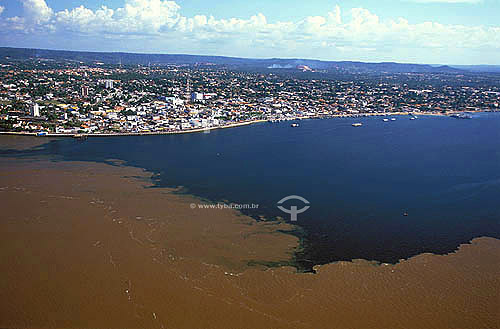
[358, 124]
[385, 120]
[393, 119]
[294, 125]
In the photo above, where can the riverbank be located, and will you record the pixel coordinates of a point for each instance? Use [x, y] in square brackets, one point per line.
[95, 248]
[149, 133]
[204, 130]
[233, 125]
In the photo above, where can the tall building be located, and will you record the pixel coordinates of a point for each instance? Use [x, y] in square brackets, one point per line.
[188, 88]
[85, 91]
[35, 110]
[108, 84]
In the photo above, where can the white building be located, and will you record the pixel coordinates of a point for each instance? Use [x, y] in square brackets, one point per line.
[197, 97]
[112, 115]
[108, 84]
[85, 91]
[35, 110]
[209, 95]
[174, 101]
[196, 123]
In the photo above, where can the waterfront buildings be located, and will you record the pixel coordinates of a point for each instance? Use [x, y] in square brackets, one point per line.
[133, 99]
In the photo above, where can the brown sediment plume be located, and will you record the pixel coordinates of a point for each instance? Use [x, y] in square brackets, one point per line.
[87, 245]
[18, 142]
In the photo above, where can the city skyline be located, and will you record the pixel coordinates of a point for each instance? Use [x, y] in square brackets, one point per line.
[412, 31]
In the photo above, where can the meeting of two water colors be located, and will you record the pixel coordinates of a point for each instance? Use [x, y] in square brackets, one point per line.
[380, 192]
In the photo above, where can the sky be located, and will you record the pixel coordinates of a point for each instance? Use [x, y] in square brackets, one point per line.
[407, 31]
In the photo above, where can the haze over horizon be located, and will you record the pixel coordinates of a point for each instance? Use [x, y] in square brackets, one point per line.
[454, 32]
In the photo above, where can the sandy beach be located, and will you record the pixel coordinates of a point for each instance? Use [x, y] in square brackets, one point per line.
[88, 245]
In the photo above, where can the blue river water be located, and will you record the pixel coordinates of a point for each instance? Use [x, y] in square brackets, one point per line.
[383, 191]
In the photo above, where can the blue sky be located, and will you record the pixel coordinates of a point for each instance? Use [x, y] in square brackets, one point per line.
[416, 31]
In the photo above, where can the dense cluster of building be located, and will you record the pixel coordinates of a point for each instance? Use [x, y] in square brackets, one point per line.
[71, 98]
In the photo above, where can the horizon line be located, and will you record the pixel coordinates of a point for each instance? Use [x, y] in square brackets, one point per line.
[249, 58]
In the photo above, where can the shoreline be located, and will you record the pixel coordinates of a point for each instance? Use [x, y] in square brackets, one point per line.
[197, 130]
[233, 125]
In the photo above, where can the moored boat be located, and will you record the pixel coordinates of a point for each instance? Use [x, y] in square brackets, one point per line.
[80, 136]
[461, 116]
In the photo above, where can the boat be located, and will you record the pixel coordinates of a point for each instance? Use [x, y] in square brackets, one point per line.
[393, 119]
[294, 125]
[461, 116]
[412, 118]
[80, 136]
[357, 124]
[385, 120]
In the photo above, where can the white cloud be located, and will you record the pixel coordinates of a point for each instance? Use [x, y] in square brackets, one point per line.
[356, 32]
[335, 16]
[137, 16]
[37, 10]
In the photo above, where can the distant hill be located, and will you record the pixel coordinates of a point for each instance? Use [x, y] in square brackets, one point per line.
[479, 68]
[272, 63]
